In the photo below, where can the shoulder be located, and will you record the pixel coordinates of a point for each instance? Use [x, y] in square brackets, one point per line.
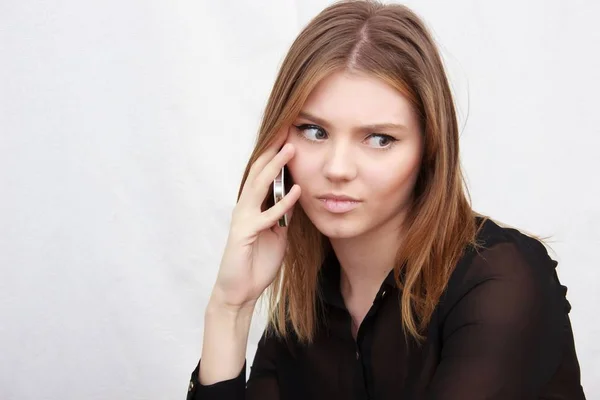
[503, 252]
[518, 264]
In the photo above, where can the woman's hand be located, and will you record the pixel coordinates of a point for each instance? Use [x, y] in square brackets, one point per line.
[256, 243]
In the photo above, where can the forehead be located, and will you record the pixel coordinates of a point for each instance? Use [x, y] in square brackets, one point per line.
[357, 98]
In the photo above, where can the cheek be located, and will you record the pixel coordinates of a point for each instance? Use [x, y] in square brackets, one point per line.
[302, 167]
[392, 181]
[301, 170]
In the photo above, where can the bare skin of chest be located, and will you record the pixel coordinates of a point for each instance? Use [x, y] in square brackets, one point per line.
[357, 318]
[357, 307]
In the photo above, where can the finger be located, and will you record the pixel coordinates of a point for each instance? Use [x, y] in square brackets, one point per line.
[257, 192]
[269, 217]
[290, 213]
[262, 161]
[268, 154]
[282, 230]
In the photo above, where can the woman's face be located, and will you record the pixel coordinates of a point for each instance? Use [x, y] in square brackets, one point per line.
[337, 153]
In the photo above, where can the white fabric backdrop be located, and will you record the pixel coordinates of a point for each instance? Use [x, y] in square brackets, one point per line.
[124, 130]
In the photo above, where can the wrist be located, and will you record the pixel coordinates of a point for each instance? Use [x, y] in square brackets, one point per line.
[217, 304]
[218, 308]
[226, 330]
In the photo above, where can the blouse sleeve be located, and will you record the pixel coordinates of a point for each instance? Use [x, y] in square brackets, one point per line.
[503, 323]
[262, 383]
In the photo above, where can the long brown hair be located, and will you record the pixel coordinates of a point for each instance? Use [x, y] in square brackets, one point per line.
[392, 43]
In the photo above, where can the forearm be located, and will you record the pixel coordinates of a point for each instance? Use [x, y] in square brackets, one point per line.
[225, 342]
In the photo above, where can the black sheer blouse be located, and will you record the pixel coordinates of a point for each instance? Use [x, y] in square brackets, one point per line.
[501, 331]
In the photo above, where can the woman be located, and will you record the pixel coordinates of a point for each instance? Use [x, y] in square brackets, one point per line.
[386, 284]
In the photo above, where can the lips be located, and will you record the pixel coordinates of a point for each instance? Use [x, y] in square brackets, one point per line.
[335, 197]
[339, 203]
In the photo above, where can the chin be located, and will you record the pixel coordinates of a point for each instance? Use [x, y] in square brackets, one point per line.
[339, 229]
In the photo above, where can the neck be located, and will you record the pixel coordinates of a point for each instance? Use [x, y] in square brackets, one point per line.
[365, 261]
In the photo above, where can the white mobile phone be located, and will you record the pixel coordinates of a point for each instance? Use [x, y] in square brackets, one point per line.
[279, 192]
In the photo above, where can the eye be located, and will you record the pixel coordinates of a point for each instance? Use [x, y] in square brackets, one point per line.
[310, 132]
[382, 141]
[314, 133]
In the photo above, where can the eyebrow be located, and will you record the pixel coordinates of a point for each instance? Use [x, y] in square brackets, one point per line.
[370, 127]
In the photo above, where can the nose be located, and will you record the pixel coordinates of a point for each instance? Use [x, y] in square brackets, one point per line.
[339, 162]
